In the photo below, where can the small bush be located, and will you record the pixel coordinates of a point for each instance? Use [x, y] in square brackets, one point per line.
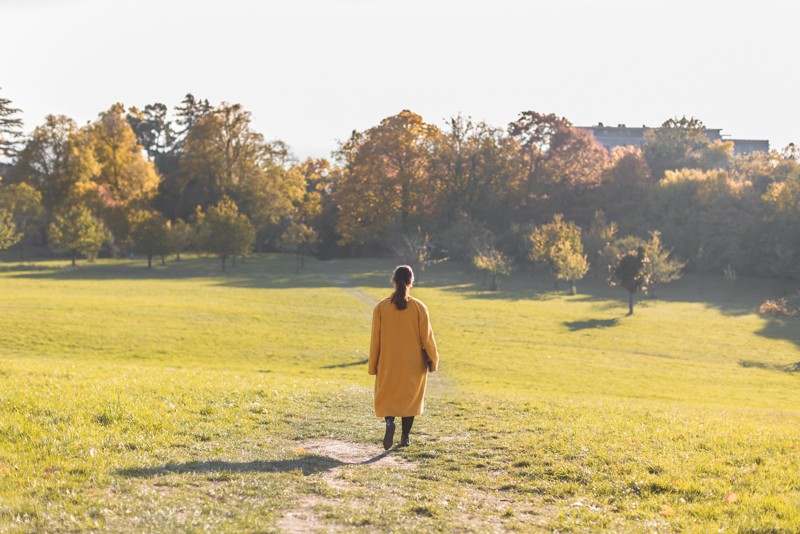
[782, 306]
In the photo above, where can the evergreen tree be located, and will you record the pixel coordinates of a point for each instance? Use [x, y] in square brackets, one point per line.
[10, 129]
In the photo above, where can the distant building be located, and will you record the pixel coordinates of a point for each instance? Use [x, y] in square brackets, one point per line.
[621, 135]
[747, 146]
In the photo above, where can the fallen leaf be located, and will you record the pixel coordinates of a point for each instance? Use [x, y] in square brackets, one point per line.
[730, 497]
[667, 511]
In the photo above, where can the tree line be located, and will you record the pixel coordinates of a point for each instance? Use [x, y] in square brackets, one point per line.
[157, 182]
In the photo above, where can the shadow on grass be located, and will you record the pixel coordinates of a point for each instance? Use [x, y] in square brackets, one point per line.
[308, 465]
[788, 368]
[348, 364]
[277, 271]
[257, 272]
[787, 328]
[591, 323]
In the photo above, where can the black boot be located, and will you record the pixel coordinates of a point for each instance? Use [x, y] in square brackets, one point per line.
[407, 423]
[388, 437]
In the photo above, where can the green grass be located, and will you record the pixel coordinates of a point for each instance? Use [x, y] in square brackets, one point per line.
[179, 398]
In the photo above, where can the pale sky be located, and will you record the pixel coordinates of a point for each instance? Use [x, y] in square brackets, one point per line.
[311, 71]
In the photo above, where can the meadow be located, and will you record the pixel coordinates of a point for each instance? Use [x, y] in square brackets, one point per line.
[186, 399]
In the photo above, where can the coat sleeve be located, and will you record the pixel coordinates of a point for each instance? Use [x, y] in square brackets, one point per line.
[375, 341]
[427, 339]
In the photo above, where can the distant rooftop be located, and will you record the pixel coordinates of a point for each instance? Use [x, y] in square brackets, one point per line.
[622, 135]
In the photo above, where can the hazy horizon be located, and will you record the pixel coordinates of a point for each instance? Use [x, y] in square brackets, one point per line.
[311, 71]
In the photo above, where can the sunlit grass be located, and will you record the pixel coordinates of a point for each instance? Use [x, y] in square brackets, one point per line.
[175, 399]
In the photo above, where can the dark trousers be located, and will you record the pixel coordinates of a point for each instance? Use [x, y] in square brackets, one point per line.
[407, 423]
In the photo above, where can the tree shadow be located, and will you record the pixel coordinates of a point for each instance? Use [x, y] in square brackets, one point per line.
[591, 323]
[308, 465]
[786, 328]
[256, 273]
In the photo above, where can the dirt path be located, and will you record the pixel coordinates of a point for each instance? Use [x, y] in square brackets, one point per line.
[304, 518]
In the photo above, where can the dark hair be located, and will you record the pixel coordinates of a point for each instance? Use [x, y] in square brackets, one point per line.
[402, 278]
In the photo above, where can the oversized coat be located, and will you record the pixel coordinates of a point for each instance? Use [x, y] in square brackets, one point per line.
[396, 359]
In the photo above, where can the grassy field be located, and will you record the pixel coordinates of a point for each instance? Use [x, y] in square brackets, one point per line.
[182, 398]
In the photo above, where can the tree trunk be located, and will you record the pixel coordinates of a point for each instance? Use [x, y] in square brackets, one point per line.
[573, 290]
[494, 281]
[630, 302]
[224, 258]
[21, 251]
[149, 261]
[405, 207]
[163, 260]
[73, 258]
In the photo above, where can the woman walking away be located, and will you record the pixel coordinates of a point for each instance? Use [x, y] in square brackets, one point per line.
[402, 351]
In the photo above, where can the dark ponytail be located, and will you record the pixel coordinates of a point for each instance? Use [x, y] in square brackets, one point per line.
[403, 278]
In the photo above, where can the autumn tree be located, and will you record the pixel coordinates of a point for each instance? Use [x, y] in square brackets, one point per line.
[561, 164]
[494, 262]
[676, 144]
[125, 176]
[300, 239]
[25, 205]
[781, 244]
[384, 188]
[629, 273]
[59, 161]
[573, 167]
[274, 198]
[224, 156]
[570, 264]
[9, 235]
[224, 231]
[10, 128]
[416, 248]
[708, 209]
[78, 232]
[660, 268]
[534, 132]
[558, 246]
[221, 151]
[151, 236]
[476, 173]
[182, 236]
[127, 180]
[625, 190]
[467, 237]
[597, 242]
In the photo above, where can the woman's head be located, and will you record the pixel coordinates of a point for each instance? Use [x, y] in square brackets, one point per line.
[403, 279]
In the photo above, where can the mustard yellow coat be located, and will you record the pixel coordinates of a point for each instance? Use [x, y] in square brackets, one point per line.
[395, 357]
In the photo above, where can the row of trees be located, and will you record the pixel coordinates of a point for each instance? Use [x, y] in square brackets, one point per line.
[467, 191]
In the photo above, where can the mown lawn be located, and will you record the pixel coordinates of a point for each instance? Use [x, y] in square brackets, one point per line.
[182, 398]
